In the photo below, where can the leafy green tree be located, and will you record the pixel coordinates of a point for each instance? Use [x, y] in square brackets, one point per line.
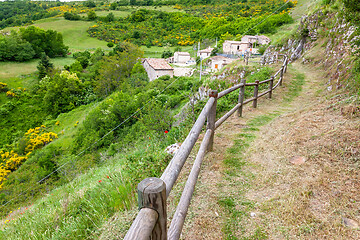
[62, 92]
[14, 48]
[71, 16]
[44, 66]
[115, 69]
[166, 54]
[50, 41]
[89, 4]
[91, 15]
[109, 18]
[76, 67]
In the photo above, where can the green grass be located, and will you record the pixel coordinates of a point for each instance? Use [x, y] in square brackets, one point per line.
[287, 30]
[236, 207]
[74, 33]
[116, 13]
[295, 87]
[17, 74]
[75, 36]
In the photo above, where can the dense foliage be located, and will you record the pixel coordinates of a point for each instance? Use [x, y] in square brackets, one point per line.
[151, 27]
[30, 43]
[17, 13]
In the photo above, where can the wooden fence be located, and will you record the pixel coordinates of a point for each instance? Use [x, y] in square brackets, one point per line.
[151, 221]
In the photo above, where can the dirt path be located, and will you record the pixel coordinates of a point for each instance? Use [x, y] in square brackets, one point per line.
[248, 189]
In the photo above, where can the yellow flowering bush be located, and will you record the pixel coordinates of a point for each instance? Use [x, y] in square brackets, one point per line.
[3, 87]
[35, 138]
[10, 94]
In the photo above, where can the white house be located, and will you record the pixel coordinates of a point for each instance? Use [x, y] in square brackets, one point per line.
[157, 67]
[235, 47]
[181, 57]
[218, 62]
[205, 53]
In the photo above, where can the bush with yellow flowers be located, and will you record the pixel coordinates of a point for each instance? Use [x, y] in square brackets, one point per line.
[3, 87]
[35, 138]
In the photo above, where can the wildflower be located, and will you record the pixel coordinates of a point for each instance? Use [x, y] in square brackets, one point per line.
[166, 131]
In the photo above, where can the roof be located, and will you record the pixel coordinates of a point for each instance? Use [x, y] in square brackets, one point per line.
[206, 50]
[183, 53]
[158, 63]
[235, 42]
[221, 58]
[249, 36]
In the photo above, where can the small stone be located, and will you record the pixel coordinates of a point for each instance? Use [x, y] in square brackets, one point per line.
[216, 214]
[298, 160]
[350, 223]
[252, 214]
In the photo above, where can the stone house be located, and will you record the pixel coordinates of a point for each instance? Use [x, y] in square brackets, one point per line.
[157, 67]
[235, 47]
[205, 53]
[218, 62]
[263, 40]
[181, 57]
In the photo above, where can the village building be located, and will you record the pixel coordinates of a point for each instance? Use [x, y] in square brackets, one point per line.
[248, 43]
[205, 53]
[181, 57]
[235, 47]
[263, 40]
[250, 39]
[157, 67]
[219, 62]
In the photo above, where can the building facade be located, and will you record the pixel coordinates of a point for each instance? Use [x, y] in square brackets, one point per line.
[157, 67]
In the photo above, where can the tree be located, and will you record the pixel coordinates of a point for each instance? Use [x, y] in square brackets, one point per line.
[166, 54]
[91, 15]
[62, 92]
[115, 69]
[44, 66]
[109, 18]
[50, 41]
[14, 48]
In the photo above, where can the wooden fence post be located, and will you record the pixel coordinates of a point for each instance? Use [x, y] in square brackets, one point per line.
[211, 118]
[241, 97]
[271, 84]
[247, 59]
[281, 75]
[256, 91]
[152, 194]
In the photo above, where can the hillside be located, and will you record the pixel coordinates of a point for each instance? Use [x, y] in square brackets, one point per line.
[285, 170]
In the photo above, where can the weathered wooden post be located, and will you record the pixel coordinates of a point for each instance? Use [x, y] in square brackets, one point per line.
[247, 59]
[211, 118]
[256, 91]
[152, 194]
[281, 75]
[271, 84]
[241, 97]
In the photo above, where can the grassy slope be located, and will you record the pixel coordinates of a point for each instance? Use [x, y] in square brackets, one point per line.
[302, 8]
[75, 36]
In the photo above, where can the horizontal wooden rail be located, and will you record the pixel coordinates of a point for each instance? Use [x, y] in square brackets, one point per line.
[146, 221]
[265, 81]
[231, 112]
[150, 223]
[229, 90]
